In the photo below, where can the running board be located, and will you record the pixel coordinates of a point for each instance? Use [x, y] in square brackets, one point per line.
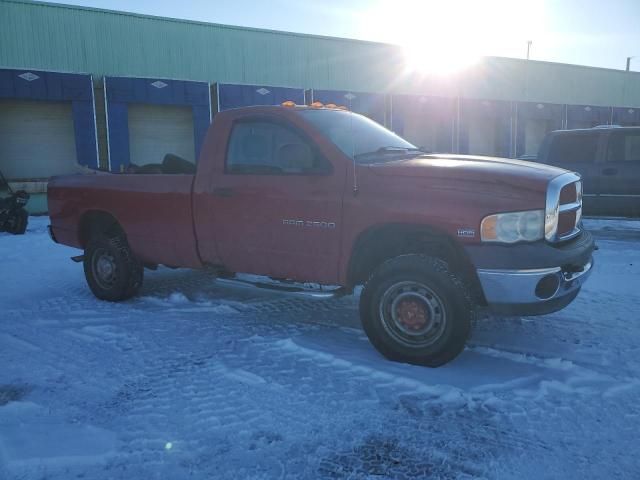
[333, 293]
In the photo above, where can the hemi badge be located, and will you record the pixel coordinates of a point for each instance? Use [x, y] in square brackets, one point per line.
[466, 232]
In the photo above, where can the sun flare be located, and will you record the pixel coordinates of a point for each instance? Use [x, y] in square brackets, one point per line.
[443, 37]
[425, 59]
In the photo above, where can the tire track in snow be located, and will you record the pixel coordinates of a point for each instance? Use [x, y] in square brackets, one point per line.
[214, 385]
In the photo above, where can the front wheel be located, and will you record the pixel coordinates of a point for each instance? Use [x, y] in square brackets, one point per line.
[414, 310]
[112, 271]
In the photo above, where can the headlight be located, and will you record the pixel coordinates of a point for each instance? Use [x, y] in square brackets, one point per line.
[513, 227]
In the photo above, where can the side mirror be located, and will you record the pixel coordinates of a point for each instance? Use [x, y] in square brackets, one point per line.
[295, 157]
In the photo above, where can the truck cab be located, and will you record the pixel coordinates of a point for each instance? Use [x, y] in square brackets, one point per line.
[321, 195]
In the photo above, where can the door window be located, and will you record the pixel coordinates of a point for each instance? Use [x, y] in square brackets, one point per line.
[573, 148]
[266, 148]
[624, 147]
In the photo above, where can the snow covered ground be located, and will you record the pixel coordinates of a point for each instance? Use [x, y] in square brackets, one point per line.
[198, 379]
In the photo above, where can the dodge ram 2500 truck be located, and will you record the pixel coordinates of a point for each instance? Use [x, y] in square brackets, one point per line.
[323, 195]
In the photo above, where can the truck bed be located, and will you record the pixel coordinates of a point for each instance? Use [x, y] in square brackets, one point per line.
[143, 205]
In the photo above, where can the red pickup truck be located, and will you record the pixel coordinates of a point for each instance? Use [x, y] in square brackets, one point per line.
[327, 196]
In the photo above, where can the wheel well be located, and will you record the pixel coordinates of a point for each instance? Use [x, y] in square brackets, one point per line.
[95, 223]
[379, 244]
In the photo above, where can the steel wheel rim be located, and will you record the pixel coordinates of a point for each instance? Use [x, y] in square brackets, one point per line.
[104, 268]
[413, 314]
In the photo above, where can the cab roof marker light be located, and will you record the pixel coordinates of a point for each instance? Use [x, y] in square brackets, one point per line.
[288, 103]
[331, 105]
[317, 105]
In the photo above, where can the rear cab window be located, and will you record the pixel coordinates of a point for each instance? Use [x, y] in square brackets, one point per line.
[573, 148]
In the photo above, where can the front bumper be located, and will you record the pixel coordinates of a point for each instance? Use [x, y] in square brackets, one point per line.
[534, 287]
[532, 292]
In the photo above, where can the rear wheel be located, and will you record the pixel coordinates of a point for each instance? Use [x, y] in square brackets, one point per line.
[414, 310]
[112, 271]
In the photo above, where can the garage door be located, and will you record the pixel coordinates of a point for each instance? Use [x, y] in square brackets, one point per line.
[155, 130]
[425, 121]
[587, 116]
[532, 123]
[482, 137]
[36, 139]
[534, 133]
[421, 134]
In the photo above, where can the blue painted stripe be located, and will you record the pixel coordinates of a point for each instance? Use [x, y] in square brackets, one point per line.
[235, 96]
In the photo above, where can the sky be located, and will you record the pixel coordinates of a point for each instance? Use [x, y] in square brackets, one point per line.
[436, 34]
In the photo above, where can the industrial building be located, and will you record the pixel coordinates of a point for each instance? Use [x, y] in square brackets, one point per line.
[89, 88]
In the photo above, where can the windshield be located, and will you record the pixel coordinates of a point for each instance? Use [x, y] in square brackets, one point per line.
[358, 136]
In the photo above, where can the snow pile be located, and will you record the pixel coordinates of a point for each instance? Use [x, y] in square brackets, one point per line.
[198, 379]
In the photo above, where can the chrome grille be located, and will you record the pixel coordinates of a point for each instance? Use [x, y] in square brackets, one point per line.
[563, 208]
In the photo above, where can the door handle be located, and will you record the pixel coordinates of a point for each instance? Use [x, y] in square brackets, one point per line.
[223, 192]
[610, 171]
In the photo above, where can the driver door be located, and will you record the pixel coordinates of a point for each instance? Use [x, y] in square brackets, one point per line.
[278, 204]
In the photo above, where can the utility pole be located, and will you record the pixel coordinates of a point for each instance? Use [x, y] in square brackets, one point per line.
[529, 42]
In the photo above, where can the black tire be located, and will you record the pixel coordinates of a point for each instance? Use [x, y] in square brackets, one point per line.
[112, 271]
[414, 310]
[17, 224]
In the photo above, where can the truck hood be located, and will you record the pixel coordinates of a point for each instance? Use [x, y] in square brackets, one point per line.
[475, 169]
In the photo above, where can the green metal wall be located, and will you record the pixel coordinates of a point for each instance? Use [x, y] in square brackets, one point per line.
[76, 39]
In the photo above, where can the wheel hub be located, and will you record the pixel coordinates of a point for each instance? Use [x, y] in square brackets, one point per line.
[104, 268]
[413, 314]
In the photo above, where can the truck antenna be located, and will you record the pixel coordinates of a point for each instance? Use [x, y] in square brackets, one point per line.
[353, 145]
